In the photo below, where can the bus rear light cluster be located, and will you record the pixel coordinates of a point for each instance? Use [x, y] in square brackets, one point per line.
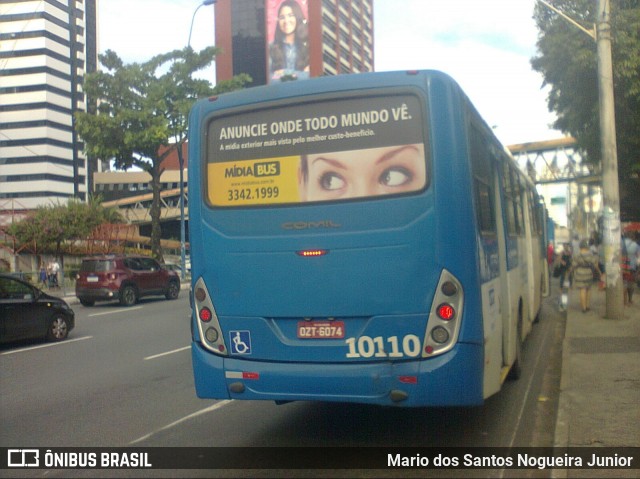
[208, 325]
[443, 325]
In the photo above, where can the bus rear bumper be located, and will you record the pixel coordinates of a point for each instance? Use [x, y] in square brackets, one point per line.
[453, 379]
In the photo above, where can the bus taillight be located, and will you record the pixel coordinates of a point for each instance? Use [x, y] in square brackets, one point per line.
[200, 294]
[440, 335]
[446, 312]
[207, 320]
[444, 318]
[211, 334]
[449, 288]
[205, 315]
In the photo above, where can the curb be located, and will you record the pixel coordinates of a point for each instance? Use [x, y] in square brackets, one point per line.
[561, 434]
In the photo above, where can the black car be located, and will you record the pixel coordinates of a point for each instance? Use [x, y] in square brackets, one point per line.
[27, 312]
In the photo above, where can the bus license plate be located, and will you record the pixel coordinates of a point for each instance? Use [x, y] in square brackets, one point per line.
[321, 329]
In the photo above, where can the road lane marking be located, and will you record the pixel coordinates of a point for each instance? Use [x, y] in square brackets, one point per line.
[45, 345]
[526, 395]
[211, 408]
[167, 353]
[115, 311]
[528, 389]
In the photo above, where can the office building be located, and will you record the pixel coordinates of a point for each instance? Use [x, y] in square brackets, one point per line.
[46, 47]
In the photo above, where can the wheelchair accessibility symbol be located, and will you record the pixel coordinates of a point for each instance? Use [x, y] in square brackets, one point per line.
[240, 342]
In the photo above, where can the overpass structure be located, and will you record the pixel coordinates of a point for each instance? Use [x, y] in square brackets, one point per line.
[554, 161]
[136, 209]
[570, 186]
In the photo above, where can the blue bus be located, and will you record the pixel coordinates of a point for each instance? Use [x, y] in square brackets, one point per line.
[358, 238]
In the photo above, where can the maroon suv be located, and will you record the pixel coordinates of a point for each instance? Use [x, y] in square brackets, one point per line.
[125, 278]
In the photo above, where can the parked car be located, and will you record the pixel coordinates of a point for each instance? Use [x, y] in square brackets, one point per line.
[28, 312]
[126, 278]
[173, 267]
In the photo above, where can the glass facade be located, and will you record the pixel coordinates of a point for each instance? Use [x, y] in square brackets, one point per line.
[248, 27]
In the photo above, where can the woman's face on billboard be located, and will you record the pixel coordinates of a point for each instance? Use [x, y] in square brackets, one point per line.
[362, 173]
[287, 20]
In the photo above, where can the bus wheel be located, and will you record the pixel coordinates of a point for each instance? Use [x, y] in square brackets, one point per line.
[516, 369]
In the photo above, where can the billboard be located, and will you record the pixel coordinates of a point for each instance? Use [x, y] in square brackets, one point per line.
[321, 151]
[287, 40]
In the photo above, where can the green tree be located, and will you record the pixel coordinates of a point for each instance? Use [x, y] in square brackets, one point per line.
[143, 107]
[49, 227]
[567, 59]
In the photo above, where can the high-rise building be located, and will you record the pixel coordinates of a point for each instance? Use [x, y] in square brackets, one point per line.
[332, 37]
[46, 47]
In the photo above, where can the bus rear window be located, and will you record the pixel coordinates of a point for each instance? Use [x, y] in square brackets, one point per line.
[333, 150]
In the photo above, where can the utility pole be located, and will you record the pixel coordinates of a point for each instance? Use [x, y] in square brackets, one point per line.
[610, 182]
[611, 236]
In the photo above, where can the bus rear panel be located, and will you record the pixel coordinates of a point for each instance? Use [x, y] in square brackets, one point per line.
[334, 242]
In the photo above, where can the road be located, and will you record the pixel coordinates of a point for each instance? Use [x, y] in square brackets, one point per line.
[123, 378]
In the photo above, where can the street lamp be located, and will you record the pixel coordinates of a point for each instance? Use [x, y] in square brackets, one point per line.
[205, 3]
[183, 239]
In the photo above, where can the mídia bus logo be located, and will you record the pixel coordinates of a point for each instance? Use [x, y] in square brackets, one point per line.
[271, 168]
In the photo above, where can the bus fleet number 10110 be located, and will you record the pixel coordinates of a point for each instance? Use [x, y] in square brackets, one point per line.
[368, 347]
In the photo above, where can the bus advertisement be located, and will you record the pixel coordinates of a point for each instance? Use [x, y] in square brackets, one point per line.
[360, 238]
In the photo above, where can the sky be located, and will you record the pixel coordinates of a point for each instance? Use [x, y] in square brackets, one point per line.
[485, 45]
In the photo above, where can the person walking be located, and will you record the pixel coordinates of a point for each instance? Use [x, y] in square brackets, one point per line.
[564, 265]
[630, 257]
[55, 269]
[43, 276]
[584, 265]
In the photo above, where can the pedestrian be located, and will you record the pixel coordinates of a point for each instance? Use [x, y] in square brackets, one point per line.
[584, 267]
[551, 255]
[630, 258]
[55, 269]
[43, 275]
[564, 265]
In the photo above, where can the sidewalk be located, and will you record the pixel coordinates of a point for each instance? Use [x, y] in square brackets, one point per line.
[600, 385]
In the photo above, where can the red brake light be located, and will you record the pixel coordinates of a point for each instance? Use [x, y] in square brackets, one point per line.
[205, 315]
[446, 312]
